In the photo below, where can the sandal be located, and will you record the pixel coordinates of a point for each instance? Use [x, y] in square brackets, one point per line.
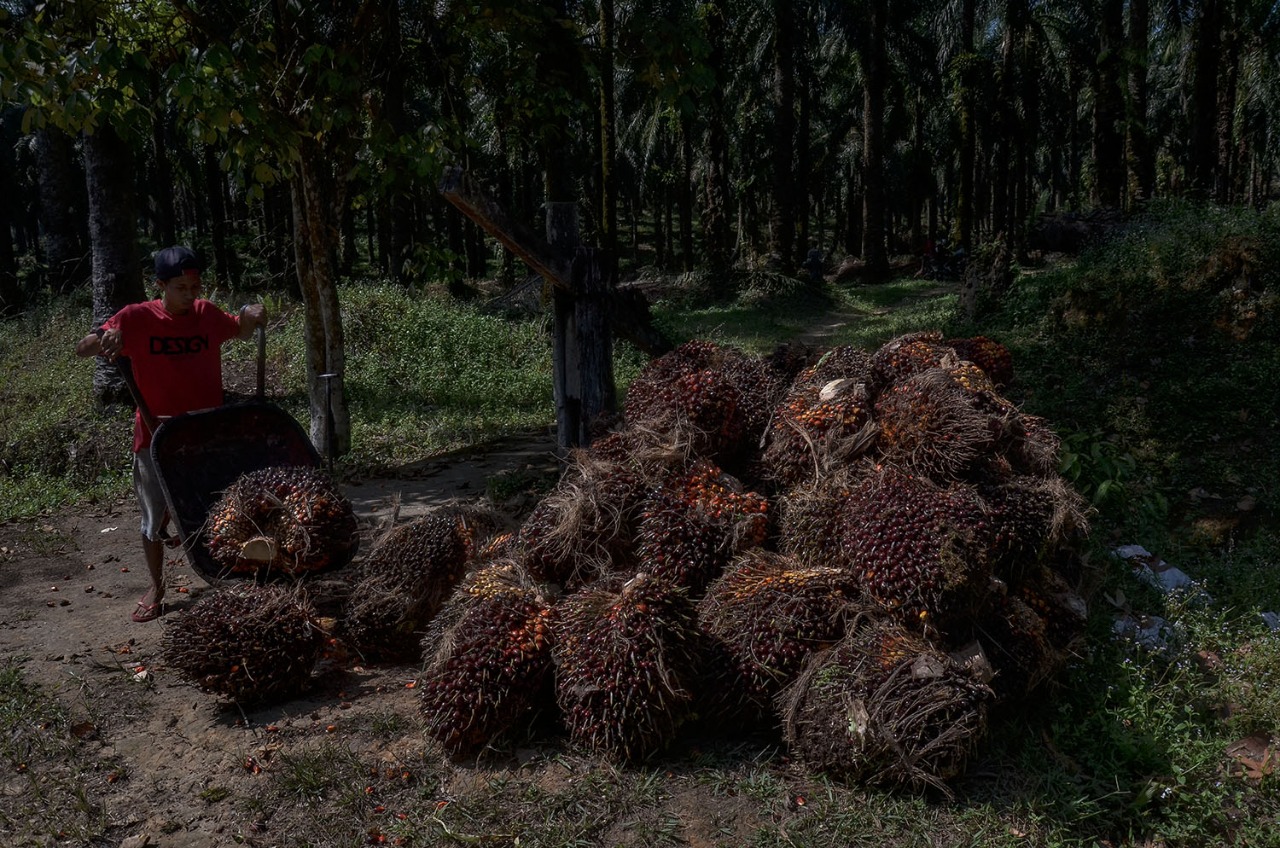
[147, 612]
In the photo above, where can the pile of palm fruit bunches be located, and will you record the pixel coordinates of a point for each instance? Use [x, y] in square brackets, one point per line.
[870, 551]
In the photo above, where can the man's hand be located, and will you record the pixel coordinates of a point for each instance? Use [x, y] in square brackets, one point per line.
[106, 343]
[252, 316]
[111, 343]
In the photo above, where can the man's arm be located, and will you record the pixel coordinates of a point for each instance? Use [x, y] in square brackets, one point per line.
[252, 316]
[100, 342]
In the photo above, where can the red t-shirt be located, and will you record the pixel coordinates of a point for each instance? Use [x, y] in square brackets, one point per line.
[177, 359]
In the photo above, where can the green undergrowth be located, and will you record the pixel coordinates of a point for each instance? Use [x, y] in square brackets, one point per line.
[1153, 356]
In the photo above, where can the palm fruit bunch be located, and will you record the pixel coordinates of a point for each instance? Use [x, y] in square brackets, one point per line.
[249, 643]
[404, 579]
[824, 422]
[626, 665]
[885, 706]
[487, 658]
[810, 517]
[685, 393]
[766, 614]
[932, 424]
[989, 355]
[1016, 642]
[287, 520]
[907, 355]
[586, 527]
[1030, 517]
[1046, 591]
[694, 522]
[922, 551]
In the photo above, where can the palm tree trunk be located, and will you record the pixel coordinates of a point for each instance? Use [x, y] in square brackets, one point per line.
[318, 198]
[1224, 178]
[1204, 96]
[1142, 166]
[784, 131]
[608, 144]
[968, 129]
[117, 273]
[715, 210]
[875, 63]
[62, 212]
[1108, 108]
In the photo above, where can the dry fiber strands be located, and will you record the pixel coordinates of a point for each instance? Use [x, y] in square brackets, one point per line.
[810, 517]
[818, 428]
[251, 644]
[488, 659]
[626, 665]
[586, 527]
[402, 582]
[284, 520]
[931, 425]
[884, 706]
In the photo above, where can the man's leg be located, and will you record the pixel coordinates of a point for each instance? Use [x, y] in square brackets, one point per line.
[153, 550]
[146, 485]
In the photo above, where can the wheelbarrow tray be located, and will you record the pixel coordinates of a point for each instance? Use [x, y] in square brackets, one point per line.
[198, 455]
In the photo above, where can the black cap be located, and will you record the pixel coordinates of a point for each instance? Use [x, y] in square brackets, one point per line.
[175, 261]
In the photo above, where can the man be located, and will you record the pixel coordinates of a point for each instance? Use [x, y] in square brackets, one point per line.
[174, 344]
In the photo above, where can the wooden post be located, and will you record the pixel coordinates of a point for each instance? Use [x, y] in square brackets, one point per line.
[586, 307]
[563, 238]
[593, 341]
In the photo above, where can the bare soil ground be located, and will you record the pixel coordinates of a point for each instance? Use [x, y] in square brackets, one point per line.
[124, 753]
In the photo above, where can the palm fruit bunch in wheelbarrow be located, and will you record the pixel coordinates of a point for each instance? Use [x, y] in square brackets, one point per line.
[282, 520]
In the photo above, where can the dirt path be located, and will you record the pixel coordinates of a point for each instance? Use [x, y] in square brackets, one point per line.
[118, 751]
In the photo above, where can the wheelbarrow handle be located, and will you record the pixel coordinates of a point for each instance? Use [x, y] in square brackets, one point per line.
[125, 367]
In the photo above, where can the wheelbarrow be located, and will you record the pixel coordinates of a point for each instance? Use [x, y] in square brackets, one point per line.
[199, 454]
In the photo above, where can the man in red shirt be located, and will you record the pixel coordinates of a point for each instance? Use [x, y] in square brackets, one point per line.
[175, 346]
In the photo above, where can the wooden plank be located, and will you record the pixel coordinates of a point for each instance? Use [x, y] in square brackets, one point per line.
[630, 314]
[460, 190]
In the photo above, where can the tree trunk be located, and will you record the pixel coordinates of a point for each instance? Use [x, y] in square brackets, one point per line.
[11, 296]
[608, 144]
[62, 212]
[1204, 97]
[1142, 166]
[715, 210]
[215, 191]
[875, 62]
[1108, 108]
[1224, 176]
[684, 196]
[784, 131]
[965, 80]
[117, 273]
[161, 177]
[318, 198]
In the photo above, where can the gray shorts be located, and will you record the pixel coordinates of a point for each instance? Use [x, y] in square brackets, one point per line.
[146, 485]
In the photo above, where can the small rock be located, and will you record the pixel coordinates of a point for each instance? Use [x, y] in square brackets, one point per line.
[136, 842]
[1247, 504]
[1271, 619]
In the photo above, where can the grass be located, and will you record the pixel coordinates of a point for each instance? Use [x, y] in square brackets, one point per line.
[50, 788]
[1147, 356]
